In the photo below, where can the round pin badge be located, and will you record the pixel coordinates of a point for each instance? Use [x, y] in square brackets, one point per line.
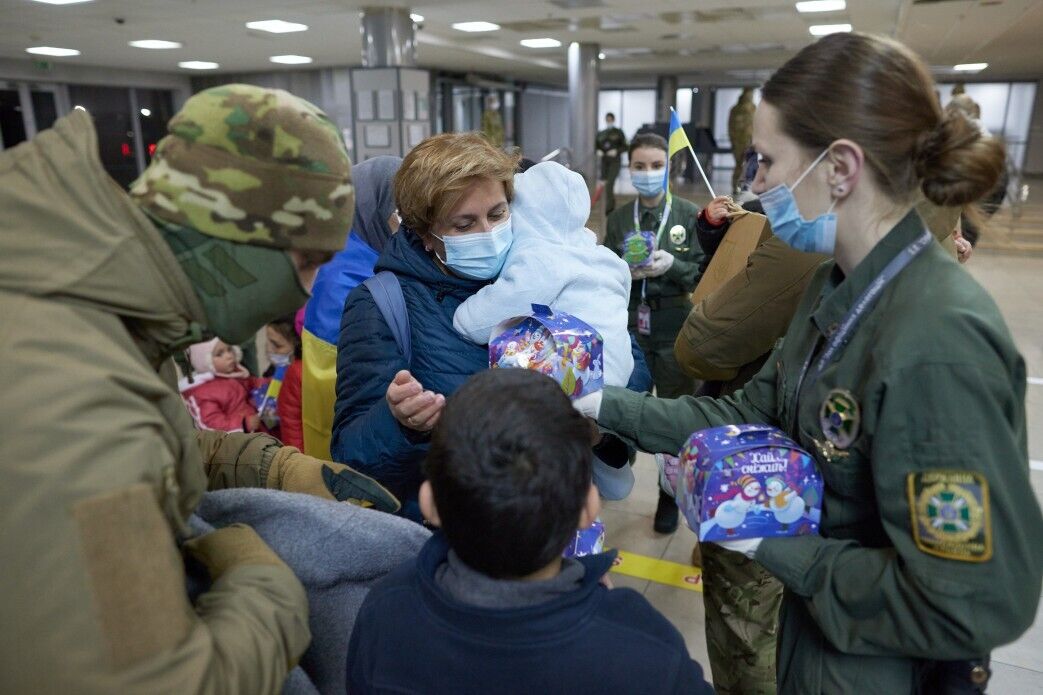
[678, 234]
[840, 418]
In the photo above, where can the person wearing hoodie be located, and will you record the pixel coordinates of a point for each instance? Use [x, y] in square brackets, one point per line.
[453, 192]
[102, 466]
[557, 262]
[373, 224]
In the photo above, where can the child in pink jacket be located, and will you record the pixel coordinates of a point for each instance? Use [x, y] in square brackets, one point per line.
[218, 393]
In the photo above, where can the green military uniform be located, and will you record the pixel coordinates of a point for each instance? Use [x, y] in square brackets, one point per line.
[727, 338]
[492, 127]
[929, 545]
[667, 295]
[740, 131]
[102, 466]
[611, 143]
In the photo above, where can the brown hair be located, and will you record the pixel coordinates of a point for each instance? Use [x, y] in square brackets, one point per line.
[652, 140]
[878, 93]
[436, 174]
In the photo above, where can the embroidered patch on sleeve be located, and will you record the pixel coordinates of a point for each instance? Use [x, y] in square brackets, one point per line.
[950, 514]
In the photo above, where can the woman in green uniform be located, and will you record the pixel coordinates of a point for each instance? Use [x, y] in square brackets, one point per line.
[659, 294]
[897, 373]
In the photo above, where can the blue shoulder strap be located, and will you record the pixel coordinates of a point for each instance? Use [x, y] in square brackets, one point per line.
[387, 293]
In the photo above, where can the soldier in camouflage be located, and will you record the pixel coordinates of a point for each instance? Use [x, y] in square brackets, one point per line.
[102, 466]
[740, 132]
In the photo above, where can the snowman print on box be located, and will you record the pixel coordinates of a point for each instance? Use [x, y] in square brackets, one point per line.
[748, 481]
[552, 343]
[638, 248]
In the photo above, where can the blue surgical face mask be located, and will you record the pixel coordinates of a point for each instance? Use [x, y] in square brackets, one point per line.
[648, 183]
[479, 256]
[780, 207]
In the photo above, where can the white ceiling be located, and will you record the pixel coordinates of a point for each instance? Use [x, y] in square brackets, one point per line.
[701, 40]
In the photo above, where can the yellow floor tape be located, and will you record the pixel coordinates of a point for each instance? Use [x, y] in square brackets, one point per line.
[661, 571]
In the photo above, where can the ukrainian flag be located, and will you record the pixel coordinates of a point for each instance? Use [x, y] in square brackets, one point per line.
[319, 340]
[677, 141]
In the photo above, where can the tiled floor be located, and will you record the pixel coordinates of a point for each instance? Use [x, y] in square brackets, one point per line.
[1015, 281]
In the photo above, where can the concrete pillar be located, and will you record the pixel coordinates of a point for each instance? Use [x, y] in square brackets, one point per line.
[666, 97]
[583, 106]
[388, 38]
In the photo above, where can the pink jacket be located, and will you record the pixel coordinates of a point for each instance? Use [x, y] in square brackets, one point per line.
[221, 403]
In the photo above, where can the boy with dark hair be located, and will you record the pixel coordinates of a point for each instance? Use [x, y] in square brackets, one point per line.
[490, 605]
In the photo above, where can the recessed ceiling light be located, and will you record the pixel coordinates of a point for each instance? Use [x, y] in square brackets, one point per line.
[476, 26]
[417, 17]
[970, 67]
[79, 108]
[290, 59]
[601, 56]
[146, 112]
[157, 44]
[824, 29]
[52, 51]
[540, 43]
[61, 2]
[276, 26]
[821, 6]
[198, 65]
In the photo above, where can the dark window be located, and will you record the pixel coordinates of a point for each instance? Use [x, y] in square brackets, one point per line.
[109, 107]
[155, 108]
[12, 127]
[44, 109]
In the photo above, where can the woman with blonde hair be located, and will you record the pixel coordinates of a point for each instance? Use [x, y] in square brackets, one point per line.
[897, 373]
[454, 194]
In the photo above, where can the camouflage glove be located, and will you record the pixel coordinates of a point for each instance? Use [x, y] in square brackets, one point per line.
[230, 547]
[293, 471]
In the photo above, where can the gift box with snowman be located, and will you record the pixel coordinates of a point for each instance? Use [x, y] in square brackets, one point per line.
[747, 481]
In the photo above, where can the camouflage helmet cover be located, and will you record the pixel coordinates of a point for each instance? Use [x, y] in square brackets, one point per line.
[252, 165]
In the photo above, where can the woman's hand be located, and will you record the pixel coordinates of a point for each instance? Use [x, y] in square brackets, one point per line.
[411, 405]
[963, 247]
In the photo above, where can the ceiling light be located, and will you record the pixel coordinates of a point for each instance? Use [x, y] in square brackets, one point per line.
[821, 6]
[146, 113]
[157, 44]
[290, 59]
[601, 56]
[61, 2]
[79, 108]
[418, 18]
[198, 65]
[540, 43]
[52, 51]
[970, 67]
[825, 29]
[276, 26]
[476, 26]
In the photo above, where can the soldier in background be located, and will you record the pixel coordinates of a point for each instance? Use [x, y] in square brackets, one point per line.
[611, 143]
[224, 231]
[740, 131]
[492, 121]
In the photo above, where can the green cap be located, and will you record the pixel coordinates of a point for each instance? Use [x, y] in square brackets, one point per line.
[255, 166]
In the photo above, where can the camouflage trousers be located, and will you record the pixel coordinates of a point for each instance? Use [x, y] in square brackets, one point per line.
[742, 601]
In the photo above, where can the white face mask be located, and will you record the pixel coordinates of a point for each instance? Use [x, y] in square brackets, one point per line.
[481, 255]
[279, 359]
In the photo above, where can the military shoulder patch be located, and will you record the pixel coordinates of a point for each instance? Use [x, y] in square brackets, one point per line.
[950, 514]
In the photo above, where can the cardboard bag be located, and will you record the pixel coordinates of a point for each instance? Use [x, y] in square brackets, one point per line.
[744, 235]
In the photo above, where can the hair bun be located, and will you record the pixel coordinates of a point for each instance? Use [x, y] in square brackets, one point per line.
[957, 162]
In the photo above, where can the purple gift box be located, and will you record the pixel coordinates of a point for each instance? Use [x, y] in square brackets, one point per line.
[748, 481]
[589, 541]
[638, 248]
[552, 343]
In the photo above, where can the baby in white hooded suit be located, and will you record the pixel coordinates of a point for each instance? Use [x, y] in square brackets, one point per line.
[556, 261]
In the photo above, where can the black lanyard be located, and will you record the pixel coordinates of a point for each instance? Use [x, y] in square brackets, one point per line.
[862, 306]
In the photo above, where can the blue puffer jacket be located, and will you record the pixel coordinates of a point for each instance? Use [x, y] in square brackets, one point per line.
[366, 435]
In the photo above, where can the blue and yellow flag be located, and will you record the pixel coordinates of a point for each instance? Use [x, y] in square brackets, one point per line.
[677, 141]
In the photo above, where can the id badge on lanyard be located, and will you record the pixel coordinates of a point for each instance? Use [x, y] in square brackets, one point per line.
[644, 312]
[644, 319]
